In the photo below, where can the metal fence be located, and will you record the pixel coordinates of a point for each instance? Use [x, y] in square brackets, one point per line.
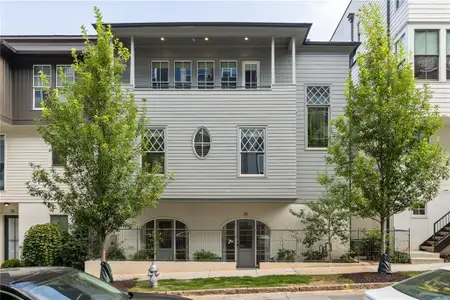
[175, 244]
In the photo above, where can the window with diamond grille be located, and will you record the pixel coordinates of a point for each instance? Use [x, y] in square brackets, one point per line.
[202, 142]
[318, 100]
[154, 146]
[252, 150]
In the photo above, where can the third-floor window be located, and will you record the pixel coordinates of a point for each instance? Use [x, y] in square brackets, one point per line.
[183, 74]
[39, 86]
[69, 74]
[228, 73]
[160, 74]
[205, 74]
[426, 54]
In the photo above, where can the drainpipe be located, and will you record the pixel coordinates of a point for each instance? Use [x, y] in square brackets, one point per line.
[351, 19]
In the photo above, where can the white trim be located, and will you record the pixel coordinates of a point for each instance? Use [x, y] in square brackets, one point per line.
[193, 142]
[272, 60]
[214, 73]
[424, 216]
[32, 77]
[5, 167]
[239, 129]
[442, 55]
[220, 71]
[174, 70]
[258, 71]
[132, 62]
[306, 85]
[294, 64]
[57, 73]
[151, 73]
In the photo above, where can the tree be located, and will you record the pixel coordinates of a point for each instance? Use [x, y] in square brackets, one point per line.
[384, 144]
[97, 131]
[327, 217]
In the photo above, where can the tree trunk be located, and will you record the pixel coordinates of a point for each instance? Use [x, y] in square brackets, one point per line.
[383, 236]
[103, 248]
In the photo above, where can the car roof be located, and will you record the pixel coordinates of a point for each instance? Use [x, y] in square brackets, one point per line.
[447, 268]
[32, 275]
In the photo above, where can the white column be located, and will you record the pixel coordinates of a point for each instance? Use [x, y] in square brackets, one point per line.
[294, 64]
[272, 61]
[132, 61]
[442, 55]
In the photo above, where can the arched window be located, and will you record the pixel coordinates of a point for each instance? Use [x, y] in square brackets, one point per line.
[202, 142]
[166, 239]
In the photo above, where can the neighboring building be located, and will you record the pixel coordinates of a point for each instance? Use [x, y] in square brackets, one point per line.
[423, 27]
[239, 113]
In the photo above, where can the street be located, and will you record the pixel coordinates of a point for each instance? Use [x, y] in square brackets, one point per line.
[338, 295]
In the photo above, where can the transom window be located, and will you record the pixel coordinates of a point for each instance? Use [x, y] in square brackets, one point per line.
[426, 54]
[228, 73]
[202, 142]
[160, 74]
[252, 151]
[2, 162]
[154, 146]
[183, 74]
[205, 74]
[419, 210]
[318, 101]
[39, 93]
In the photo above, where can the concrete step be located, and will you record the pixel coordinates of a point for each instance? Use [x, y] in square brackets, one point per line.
[424, 254]
[427, 248]
[425, 260]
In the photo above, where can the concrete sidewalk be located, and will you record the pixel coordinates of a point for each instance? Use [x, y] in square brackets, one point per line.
[316, 270]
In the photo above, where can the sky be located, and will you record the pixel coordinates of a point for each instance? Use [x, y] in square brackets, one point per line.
[65, 17]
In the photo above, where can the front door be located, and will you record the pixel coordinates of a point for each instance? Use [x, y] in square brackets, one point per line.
[11, 237]
[246, 255]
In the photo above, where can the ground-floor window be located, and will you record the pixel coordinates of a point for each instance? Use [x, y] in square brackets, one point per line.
[166, 239]
[246, 241]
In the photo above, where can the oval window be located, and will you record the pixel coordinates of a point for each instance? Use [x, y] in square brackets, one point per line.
[202, 142]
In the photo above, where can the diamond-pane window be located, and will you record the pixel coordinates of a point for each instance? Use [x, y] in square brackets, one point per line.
[318, 100]
[252, 150]
[154, 146]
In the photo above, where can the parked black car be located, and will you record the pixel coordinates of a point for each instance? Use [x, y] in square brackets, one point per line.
[58, 283]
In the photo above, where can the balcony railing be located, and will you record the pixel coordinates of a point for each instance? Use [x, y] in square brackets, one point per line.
[186, 86]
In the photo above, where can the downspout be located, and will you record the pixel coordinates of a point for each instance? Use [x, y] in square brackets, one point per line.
[351, 19]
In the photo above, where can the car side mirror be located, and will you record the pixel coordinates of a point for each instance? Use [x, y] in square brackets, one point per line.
[130, 295]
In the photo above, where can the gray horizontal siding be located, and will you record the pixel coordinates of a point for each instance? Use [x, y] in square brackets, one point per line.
[5, 90]
[215, 177]
[429, 11]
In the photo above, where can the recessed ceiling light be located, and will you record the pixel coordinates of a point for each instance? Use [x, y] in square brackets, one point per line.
[246, 38]
[162, 38]
[206, 38]
[6, 204]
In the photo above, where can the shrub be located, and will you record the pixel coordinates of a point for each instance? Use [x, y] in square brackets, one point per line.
[11, 263]
[400, 257]
[371, 245]
[115, 252]
[144, 254]
[284, 254]
[74, 251]
[42, 245]
[205, 255]
[313, 255]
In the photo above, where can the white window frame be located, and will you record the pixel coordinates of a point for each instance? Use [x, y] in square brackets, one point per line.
[193, 142]
[35, 87]
[5, 164]
[239, 129]
[160, 82]
[164, 129]
[57, 74]
[330, 109]
[174, 75]
[420, 216]
[206, 86]
[258, 71]
[237, 71]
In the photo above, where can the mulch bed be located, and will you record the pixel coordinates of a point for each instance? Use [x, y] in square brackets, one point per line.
[124, 284]
[368, 277]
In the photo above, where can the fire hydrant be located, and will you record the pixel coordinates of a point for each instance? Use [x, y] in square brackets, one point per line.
[153, 274]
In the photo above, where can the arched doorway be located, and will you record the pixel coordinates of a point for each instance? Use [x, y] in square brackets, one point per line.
[167, 239]
[246, 241]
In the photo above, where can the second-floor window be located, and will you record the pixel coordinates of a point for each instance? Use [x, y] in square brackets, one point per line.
[228, 73]
[155, 150]
[39, 93]
[448, 55]
[252, 148]
[426, 54]
[2, 162]
[318, 101]
[61, 220]
[205, 74]
[68, 73]
[398, 3]
[160, 74]
[183, 74]
[420, 210]
[56, 159]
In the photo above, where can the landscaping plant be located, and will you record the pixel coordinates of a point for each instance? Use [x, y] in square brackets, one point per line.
[11, 263]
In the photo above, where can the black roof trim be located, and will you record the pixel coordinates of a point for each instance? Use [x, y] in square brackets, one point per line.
[325, 43]
[210, 24]
[8, 46]
[343, 14]
[45, 37]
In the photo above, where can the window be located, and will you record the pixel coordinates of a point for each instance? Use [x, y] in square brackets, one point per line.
[205, 74]
[401, 42]
[228, 73]
[155, 150]
[318, 109]
[2, 162]
[202, 142]
[183, 74]
[426, 54]
[419, 210]
[56, 159]
[430, 285]
[68, 73]
[160, 74]
[61, 220]
[448, 55]
[358, 31]
[251, 74]
[252, 151]
[39, 93]
[4, 295]
[398, 3]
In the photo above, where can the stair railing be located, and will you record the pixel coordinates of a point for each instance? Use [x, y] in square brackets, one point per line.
[439, 224]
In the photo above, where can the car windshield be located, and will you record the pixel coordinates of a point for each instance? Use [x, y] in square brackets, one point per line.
[74, 286]
[429, 286]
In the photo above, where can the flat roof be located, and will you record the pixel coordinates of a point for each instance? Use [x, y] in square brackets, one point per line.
[211, 24]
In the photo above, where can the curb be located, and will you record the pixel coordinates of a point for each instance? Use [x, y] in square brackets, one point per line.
[297, 288]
